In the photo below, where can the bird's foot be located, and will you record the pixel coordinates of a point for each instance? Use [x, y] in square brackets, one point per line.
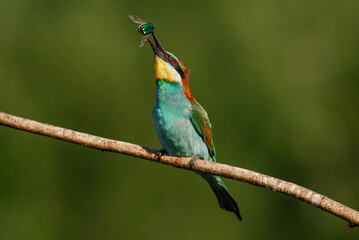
[160, 153]
[192, 162]
[351, 225]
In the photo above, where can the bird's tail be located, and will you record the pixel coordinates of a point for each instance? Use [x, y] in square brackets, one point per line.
[225, 200]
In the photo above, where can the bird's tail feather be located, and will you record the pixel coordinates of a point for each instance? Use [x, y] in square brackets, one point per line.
[225, 200]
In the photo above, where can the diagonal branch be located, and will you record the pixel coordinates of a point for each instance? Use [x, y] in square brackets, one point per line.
[244, 175]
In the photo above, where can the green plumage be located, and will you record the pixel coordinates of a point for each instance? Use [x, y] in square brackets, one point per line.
[202, 125]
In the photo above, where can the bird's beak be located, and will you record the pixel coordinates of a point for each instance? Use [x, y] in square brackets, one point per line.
[157, 48]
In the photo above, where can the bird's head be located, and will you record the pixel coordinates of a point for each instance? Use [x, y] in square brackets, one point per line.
[167, 66]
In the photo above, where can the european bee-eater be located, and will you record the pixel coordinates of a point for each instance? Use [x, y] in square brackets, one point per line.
[181, 124]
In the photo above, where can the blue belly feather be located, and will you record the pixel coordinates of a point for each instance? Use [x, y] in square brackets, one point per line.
[171, 117]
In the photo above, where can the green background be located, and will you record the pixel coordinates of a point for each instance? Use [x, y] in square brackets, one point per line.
[279, 80]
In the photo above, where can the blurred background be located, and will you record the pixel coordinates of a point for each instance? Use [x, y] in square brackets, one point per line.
[279, 80]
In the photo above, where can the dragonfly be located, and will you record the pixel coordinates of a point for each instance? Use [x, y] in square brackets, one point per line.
[145, 28]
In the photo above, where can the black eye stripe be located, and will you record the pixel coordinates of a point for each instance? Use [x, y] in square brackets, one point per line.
[179, 70]
[176, 65]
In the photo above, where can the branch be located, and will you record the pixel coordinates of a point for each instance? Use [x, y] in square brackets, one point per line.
[244, 175]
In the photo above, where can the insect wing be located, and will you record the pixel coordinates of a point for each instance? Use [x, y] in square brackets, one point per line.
[137, 19]
[144, 40]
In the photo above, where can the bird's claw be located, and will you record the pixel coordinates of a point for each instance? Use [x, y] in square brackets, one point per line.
[193, 161]
[160, 153]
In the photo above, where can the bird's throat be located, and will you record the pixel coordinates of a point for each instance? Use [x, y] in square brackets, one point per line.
[164, 71]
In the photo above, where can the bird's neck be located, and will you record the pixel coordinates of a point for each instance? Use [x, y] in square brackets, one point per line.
[171, 97]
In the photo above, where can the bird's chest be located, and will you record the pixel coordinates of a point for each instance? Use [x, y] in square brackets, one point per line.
[171, 126]
[171, 117]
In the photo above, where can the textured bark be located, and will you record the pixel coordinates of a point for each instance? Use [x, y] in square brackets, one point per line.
[244, 175]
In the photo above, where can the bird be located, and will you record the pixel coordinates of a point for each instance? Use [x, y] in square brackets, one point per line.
[181, 123]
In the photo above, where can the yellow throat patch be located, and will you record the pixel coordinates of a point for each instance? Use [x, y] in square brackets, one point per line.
[164, 71]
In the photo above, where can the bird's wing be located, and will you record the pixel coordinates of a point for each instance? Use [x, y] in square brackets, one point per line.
[203, 127]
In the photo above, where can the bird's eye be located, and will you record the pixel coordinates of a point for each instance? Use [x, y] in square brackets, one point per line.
[174, 62]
